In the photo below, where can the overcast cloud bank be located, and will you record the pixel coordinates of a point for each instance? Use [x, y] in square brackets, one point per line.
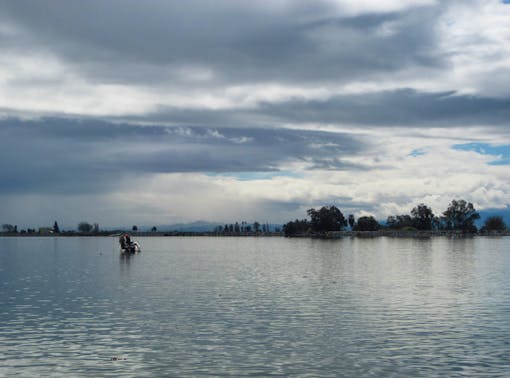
[129, 112]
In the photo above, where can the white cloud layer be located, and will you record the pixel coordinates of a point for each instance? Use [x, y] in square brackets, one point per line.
[260, 110]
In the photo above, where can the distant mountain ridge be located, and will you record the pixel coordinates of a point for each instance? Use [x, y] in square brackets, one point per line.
[196, 226]
[484, 214]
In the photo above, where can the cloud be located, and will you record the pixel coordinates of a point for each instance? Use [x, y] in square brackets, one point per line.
[405, 107]
[217, 109]
[115, 58]
[81, 156]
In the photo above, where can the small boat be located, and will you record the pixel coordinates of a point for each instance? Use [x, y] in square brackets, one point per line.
[127, 246]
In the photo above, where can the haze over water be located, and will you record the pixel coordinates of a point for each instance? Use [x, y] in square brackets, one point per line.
[255, 307]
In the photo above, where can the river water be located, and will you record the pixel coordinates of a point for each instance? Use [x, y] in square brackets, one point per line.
[238, 307]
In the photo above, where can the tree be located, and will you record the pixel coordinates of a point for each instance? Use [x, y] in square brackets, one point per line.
[391, 222]
[9, 228]
[460, 215]
[495, 223]
[367, 223]
[236, 228]
[95, 228]
[398, 222]
[422, 217]
[134, 228]
[297, 227]
[84, 227]
[436, 223]
[256, 226]
[327, 219]
[154, 229]
[56, 229]
[351, 221]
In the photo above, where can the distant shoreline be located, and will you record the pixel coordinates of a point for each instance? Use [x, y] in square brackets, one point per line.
[327, 235]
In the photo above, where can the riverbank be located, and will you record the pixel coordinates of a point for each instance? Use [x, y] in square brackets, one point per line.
[404, 234]
[117, 233]
[327, 235]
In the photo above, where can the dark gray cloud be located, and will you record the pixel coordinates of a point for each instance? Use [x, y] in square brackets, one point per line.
[151, 43]
[130, 41]
[92, 156]
[404, 107]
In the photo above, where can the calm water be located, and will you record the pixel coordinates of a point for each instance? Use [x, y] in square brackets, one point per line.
[255, 307]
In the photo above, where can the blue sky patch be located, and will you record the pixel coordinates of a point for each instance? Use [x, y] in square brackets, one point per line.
[418, 151]
[501, 153]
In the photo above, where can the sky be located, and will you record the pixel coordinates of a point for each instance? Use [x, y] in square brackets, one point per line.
[129, 112]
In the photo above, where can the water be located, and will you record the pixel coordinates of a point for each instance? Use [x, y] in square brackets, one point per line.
[255, 307]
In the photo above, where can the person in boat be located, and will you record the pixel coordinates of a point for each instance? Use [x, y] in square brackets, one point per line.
[125, 241]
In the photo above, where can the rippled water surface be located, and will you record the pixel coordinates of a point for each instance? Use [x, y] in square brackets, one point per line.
[255, 307]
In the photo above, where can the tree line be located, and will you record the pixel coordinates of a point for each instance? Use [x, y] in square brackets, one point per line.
[237, 228]
[459, 216]
[244, 228]
[83, 227]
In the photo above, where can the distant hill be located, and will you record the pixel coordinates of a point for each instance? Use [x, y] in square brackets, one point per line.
[203, 226]
[484, 214]
[197, 226]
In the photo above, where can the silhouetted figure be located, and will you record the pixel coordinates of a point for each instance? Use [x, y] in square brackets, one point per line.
[128, 246]
[124, 241]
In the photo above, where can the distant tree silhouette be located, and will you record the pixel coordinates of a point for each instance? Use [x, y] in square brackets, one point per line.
[460, 215]
[84, 227]
[154, 229]
[256, 226]
[56, 229]
[398, 222]
[422, 217]
[495, 223]
[134, 228]
[297, 227]
[367, 223]
[327, 219]
[9, 228]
